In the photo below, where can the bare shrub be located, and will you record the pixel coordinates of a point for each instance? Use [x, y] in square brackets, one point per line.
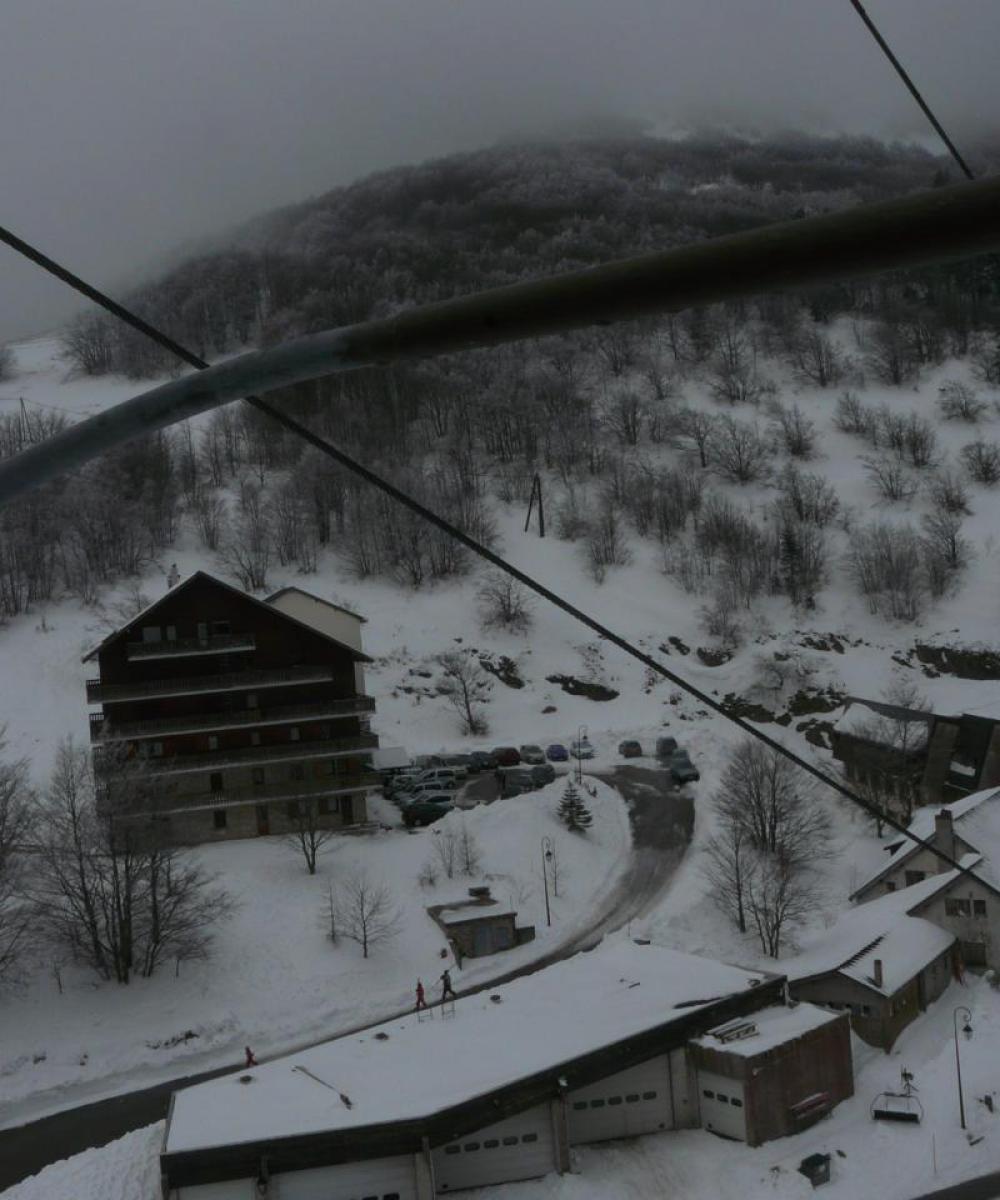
[892, 480]
[470, 855]
[446, 849]
[16, 912]
[958, 401]
[571, 518]
[607, 545]
[982, 462]
[815, 358]
[948, 493]
[919, 441]
[693, 425]
[718, 619]
[624, 415]
[802, 557]
[466, 686]
[797, 432]
[504, 603]
[885, 562]
[739, 453]
[946, 552]
[807, 497]
[733, 376]
[854, 417]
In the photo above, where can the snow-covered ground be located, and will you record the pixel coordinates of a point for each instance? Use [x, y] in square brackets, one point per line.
[276, 980]
[277, 937]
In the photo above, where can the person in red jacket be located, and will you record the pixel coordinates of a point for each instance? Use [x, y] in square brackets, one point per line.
[421, 1002]
[251, 1061]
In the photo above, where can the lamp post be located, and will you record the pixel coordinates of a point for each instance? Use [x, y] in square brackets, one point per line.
[546, 859]
[581, 733]
[967, 1030]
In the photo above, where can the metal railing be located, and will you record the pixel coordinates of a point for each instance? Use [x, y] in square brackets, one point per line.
[280, 792]
[104, 730]
[212, 760]
[189, 647]
[237, 681]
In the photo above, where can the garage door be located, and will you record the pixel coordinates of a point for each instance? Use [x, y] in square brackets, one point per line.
[518, 1148]
[623, 1105]
[374, 1179]
[722, 1108]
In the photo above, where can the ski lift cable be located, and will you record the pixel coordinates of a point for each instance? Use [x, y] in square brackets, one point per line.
[963, 218]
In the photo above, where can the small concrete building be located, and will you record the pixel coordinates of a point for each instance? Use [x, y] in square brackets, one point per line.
[480, 925]
[877, 963]
[774, 1073]
[588, 1050]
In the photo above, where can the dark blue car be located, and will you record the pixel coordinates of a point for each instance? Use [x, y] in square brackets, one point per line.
[557, 753]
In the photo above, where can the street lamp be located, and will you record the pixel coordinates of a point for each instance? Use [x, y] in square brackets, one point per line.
[546, 859]
[581, 733]
[967, 1030]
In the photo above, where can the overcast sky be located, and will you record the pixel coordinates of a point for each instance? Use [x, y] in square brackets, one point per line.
[129, 127]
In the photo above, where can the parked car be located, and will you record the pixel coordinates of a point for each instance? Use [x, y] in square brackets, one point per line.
[506, 756]
[581, 749]
[630, 749]
[665, 747]
[427, 810]
[533, 755]
[401, 782]
[462, 763]
[682, 769]
[543, 773]
[557, 752]
[427, 787]
[483, 760]
[448, 777]
[423, 761]
[518, 781]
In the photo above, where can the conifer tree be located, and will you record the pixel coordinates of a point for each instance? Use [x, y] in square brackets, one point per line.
[573, 813]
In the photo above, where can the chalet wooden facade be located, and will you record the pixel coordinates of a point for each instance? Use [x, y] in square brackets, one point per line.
[223, 716]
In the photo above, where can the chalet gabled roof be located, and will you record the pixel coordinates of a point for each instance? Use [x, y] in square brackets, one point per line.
[860, 717]
[922, 826]
[319, 600]
[150, 609]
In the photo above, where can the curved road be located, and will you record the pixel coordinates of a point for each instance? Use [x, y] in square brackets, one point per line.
[662, 820]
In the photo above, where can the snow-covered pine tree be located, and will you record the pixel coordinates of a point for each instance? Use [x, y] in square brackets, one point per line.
[573, 813]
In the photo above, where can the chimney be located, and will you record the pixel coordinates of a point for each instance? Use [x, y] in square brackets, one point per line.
[877, 976]
[944, 836]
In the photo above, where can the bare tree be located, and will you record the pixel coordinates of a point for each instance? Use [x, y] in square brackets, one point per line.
[892, 480]
[624, 416]
[854, 417]
[738, 451]
[466, 686]
[982, 461]
[797, 432]
[948, 493]
[307, 834]
[733, 377]
[727, 863]
[366, 911]
[446, 849]
[607, 545]
[886, 564]
[958, 401]
[699, 427]
[504, 603]
[247, 551]
[815, 358]
[470, 855]
[15, 823]
[781, 895]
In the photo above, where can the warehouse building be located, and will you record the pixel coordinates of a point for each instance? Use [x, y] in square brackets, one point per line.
[588, 1050]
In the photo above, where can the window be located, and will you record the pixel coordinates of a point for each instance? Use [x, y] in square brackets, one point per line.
[255, 738]
[736, 1103]
[491, 1143]
[470, 1146]
[391, 1196]
[157, 749]
[251, 699]
[530, 1137]
[913, 877]
[632, 1098]
[722, 1098]
[956, 908]
[510, 1141]
[213, 742]
[202, 632]
[890, 885]
[219, 818]
[613, 1100]
[649, 1095]
[866, 1010]
[325, 805]
[151, 633]
[292, 810]
[458, 1149]
[979, 908]
[297, 771]
[707, 1094]
[221, 628]
[215, 781]
[579, 1104]
[597, 1104]
[293, 733]
[257, 774]
[171, 633]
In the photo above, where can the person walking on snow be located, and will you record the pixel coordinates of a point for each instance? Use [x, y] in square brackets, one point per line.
[446, 988]
[421, 1002]
[251, 1061]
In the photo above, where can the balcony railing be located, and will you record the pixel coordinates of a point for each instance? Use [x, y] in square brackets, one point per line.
[278, 792]
[188, 647]
[103, 730]
[249, 756]
[238, 681]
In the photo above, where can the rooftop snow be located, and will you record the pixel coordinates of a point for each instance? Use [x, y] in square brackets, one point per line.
[419, 1067]
[775, 1026]
[879, 929]
[472, 911]
[980, 827]
[876, 721]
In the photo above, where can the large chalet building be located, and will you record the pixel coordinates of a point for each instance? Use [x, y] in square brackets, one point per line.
[223, 716]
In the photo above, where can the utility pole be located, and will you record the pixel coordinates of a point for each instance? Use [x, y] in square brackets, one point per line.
[536, 491]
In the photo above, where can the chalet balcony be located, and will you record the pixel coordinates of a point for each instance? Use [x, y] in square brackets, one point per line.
[238, 681]
[104, 730]
[279, 792]
[191, 647]
[249, 756]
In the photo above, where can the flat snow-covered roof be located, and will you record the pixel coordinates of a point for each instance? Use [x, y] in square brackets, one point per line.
[473, 911]
[775, 1026]
[422, 1067]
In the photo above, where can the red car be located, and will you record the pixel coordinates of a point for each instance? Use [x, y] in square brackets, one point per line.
[506, 756]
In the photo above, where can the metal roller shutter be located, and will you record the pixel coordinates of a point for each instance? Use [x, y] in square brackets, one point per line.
[231, 1189]
[631, 1102]
[374, 1179]
[519, 1148]
[722, 1109]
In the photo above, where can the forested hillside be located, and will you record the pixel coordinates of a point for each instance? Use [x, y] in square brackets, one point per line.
[615, 419]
